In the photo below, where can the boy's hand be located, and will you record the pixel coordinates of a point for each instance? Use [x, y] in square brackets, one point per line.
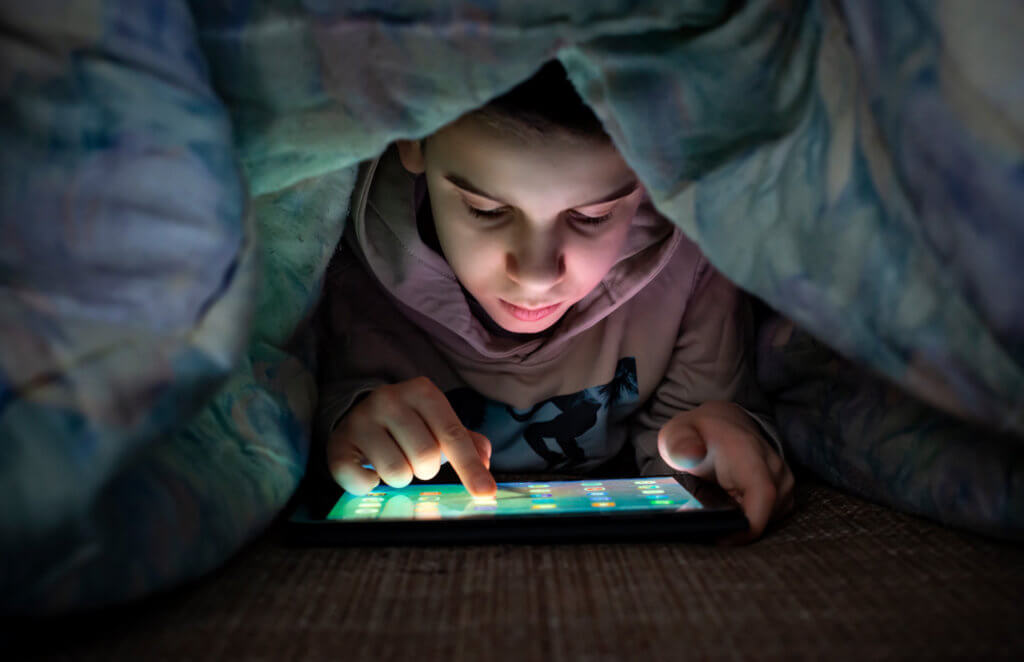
[402, 430]
[720, 442]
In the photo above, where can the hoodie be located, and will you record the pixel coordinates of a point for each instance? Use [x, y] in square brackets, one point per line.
[661, 333]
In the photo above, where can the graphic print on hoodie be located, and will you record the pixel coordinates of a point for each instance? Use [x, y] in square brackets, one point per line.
[561, 433]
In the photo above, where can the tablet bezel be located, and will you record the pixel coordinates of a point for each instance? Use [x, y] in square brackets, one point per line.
[720, 515]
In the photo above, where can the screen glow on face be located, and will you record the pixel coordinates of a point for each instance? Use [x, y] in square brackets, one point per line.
[452, 501]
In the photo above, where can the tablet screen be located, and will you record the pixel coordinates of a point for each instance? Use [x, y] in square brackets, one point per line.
[550, 498]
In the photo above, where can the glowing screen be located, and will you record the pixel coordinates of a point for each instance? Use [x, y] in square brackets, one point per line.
[453, 501]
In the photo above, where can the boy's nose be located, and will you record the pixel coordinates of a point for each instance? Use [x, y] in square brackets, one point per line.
[536, 267]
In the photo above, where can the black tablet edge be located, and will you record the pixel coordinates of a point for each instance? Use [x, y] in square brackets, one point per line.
[694, 525]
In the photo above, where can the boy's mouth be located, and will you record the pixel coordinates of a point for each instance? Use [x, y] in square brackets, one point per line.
[529, 314]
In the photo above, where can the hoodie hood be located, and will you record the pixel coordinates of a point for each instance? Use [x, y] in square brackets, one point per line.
[383, 233]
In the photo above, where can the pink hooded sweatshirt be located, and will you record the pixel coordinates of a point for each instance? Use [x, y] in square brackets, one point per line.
[662, 333]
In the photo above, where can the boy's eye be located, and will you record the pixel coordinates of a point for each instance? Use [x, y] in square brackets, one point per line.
[589, 220]
[485, 213]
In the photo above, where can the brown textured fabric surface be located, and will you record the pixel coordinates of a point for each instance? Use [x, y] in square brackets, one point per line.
[840, 579]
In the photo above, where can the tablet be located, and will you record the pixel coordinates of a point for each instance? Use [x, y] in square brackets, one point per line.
[661, 507]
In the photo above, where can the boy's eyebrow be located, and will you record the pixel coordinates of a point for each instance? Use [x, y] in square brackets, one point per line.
[620, 192]
[466, 185]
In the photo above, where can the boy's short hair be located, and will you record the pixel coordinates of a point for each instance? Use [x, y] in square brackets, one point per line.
[544, 104]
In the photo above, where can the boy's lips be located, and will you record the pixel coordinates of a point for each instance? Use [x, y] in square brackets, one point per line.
[529, 314]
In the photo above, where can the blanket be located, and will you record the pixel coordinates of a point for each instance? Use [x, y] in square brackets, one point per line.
[176, 176]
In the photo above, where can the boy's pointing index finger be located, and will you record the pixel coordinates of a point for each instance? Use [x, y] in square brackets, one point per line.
[456, 443]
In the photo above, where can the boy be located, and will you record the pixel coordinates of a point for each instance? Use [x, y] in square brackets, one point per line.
[506, 297]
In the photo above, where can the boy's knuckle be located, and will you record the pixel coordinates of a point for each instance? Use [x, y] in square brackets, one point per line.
[419, 386]
[416, 452]
[393, 469]
[423, 449]
[454, 432]
[401, 420]
[388, 403]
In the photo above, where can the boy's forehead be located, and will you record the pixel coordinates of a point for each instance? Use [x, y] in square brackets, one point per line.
[507, 168]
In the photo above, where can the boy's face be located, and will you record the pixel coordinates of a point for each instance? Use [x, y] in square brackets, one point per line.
[528, 228]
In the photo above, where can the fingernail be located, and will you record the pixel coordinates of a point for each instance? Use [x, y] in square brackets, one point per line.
[686, 462]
